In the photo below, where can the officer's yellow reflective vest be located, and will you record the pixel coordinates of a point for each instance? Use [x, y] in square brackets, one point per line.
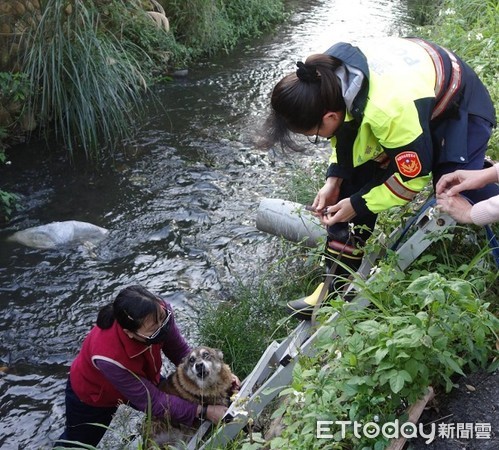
[411, 88]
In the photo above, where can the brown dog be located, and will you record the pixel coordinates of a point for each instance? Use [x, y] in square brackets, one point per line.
[202, 377]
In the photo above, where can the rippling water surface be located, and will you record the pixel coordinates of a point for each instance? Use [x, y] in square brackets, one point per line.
[180, 208]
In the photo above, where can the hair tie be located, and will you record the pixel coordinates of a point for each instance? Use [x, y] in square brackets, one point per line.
[307, 72]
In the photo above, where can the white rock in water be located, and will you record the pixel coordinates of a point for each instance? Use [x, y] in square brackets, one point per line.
[59, 233]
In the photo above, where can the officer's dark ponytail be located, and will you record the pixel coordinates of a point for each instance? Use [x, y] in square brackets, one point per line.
[131, 306]
[300, 99]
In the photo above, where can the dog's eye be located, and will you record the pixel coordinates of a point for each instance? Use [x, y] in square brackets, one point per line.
[192, 359]
[206, 355]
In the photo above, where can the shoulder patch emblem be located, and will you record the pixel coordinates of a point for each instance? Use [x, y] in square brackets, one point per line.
[408, 164]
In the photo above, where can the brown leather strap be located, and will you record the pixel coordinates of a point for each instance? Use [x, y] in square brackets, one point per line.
[442, 97]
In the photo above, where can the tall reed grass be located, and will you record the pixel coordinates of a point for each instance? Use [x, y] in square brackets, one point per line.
[88, 62]
[86, 85]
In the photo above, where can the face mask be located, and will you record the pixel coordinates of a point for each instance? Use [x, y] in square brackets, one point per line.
[161, 334]
[158, 338]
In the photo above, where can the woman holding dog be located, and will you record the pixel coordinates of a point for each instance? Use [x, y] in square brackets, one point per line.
[397, 112]
[120, 361]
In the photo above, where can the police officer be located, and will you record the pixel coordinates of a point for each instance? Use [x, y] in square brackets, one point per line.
[397, 112]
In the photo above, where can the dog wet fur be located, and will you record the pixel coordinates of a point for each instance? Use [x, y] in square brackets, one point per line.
[202, 377]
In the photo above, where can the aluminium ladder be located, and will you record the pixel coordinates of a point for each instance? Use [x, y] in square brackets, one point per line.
[274, 370]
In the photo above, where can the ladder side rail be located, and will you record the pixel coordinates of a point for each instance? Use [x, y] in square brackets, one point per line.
[422, 238]
[240, 415]
[300, 341]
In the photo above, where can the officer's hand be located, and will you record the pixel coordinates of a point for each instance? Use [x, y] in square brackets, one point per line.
[327, 195]
[341, 212]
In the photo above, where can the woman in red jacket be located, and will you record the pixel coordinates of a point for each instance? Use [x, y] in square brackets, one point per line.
[120, 362]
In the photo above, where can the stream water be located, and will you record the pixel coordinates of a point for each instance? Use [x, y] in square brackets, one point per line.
[180, 204]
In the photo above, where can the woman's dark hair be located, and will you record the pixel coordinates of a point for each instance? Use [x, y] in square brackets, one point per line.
[300, 99]
[131, 306]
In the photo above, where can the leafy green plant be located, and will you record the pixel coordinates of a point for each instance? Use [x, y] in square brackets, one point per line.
[251, 17]
[14, 87]
[8, 202]
[372, 363]
[202, 25]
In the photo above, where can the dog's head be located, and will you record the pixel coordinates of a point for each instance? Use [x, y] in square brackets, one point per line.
[203, 366]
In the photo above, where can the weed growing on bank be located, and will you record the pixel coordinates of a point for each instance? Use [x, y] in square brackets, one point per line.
[373, 363]
[207, 27]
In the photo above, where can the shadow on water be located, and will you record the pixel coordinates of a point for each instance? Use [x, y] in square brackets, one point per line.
[180, 207]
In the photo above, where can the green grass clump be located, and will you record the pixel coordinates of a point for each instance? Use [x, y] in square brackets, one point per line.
[86, 86]
[207, 26]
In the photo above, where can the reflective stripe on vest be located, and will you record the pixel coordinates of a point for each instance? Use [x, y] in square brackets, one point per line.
[398, 189]
[454, 85]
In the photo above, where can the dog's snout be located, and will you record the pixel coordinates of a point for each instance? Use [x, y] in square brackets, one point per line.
[200, 369]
